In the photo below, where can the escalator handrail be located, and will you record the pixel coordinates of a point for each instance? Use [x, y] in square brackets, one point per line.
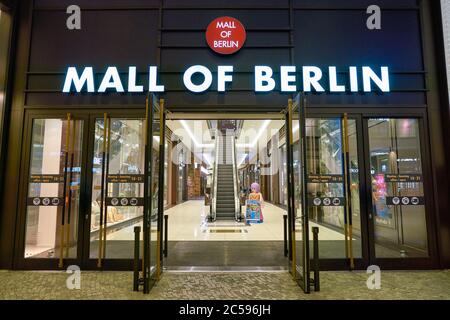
[215, 170]
[237, 210]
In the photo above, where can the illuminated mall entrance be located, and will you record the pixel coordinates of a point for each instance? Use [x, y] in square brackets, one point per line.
[94, 176]
[212, 164]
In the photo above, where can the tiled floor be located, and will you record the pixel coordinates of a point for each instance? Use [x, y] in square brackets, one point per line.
[187, 222]
[233, 286]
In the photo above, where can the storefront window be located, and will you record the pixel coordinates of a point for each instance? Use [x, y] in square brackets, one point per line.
[166, 173]
[182, 187]
[283, 175]
[124, 159]
[397, 188]
[325, 165]
[52, 223]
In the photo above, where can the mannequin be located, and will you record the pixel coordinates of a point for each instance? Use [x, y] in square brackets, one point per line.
[113, 215]
[95, 215]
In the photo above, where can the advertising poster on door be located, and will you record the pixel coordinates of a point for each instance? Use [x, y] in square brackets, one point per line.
[383, 215]
[253, 211]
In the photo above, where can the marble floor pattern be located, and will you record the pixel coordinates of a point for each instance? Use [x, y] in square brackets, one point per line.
[46, 285]
[187, 222]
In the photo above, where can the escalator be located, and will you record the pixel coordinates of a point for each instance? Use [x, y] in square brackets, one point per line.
[225, 201]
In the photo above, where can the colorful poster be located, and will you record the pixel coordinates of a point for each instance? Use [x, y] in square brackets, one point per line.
[383, 216]
[253, 211]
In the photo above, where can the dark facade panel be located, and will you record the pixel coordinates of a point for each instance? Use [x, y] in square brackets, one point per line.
[225, 4]
[393, 99]
[55, 82]
[113, 45]
[244, 60]
[242, 99]
[78, 100]
[51, 82]
[119, 38]
[89, 4]
[174, 100]
[197, 38]
[408, 82]
[276, 101]
[251, 19]
[341, 38]
[354, 3]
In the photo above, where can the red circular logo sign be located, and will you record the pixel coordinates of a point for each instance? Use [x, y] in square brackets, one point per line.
[225, 35]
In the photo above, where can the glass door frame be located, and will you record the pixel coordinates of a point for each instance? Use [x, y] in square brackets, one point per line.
[361, 115]
[363, 261]
[87, 261]
[154, 123]
[20, 262]
[411, 262]
[299, 250]
[82, 260]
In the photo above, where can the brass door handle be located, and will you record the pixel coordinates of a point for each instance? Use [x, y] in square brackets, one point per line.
[65, 194]
[104, 190]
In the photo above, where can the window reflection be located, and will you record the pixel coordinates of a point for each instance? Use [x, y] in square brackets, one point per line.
[397, 188]
[325, 158]
[125, 159]
[48, 162]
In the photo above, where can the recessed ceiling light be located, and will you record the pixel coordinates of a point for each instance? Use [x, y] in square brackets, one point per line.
[191, 135]
[260, 132]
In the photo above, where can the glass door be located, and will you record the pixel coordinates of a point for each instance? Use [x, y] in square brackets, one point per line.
[89, 182]
[398, 195]
[117, 187]
[53, 189]
[298, 218]
[153, 191]
[283, 176]
[334, 185]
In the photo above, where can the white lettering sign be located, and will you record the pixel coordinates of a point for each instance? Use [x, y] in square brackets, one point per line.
[311, 78]
[152, 80]
[263, 79]
[287, 75]
[132, 86]
[287, 79]
[187, 78]
[223, 77]
[111, 80]
[382, 83]
[86, 77]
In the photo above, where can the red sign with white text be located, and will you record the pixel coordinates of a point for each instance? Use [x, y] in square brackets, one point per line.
[225, 35]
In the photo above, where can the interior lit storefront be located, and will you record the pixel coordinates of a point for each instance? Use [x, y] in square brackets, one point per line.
[358, 153]
[394, 158]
